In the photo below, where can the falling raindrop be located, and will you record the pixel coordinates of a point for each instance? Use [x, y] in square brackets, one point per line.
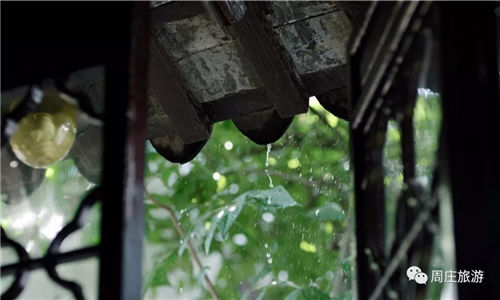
[267, 154]
[271, 185]
[228, 145]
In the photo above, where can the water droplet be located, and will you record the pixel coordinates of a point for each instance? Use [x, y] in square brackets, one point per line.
[220, 214]
[269, 201]
[269, 260]
[266, 245]
[228, 145]
[268, 254]
[316, 212]
[271, 185]
[274, 282]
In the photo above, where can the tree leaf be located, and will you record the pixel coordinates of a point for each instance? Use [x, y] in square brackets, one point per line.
[327, 212]
[313, 293]
[227, 216]
[210, 236]
[293, 295]
[276, 197]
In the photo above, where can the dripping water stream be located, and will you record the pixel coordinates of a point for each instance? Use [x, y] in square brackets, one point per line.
[267, 166]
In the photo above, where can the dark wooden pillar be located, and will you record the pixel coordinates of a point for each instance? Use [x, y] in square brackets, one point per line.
[123, 157]
[471, 127]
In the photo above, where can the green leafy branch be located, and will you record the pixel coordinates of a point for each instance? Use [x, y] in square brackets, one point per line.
[194, 256]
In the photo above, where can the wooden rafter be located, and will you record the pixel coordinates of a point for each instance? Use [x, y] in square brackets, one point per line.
[272, 63]
[183, 111]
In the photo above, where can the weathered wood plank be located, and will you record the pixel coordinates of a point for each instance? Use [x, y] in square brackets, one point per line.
[318, 43]
[287, 12]
[214, 66]
[182, 110]
[218, 72]
[270, 60]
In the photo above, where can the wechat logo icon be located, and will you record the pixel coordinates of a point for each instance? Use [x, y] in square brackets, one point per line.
[415, 273]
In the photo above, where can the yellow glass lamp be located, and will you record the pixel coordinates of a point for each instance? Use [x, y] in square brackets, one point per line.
[45, 136]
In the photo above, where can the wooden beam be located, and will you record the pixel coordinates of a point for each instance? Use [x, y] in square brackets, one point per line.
[270, 60]
[183, 111]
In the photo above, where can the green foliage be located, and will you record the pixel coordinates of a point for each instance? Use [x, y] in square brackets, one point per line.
[267, 242]
[272, 243]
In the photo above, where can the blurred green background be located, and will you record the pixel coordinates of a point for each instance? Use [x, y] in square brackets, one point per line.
[292, 239]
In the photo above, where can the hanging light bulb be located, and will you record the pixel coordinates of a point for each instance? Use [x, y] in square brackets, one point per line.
[46, 135]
